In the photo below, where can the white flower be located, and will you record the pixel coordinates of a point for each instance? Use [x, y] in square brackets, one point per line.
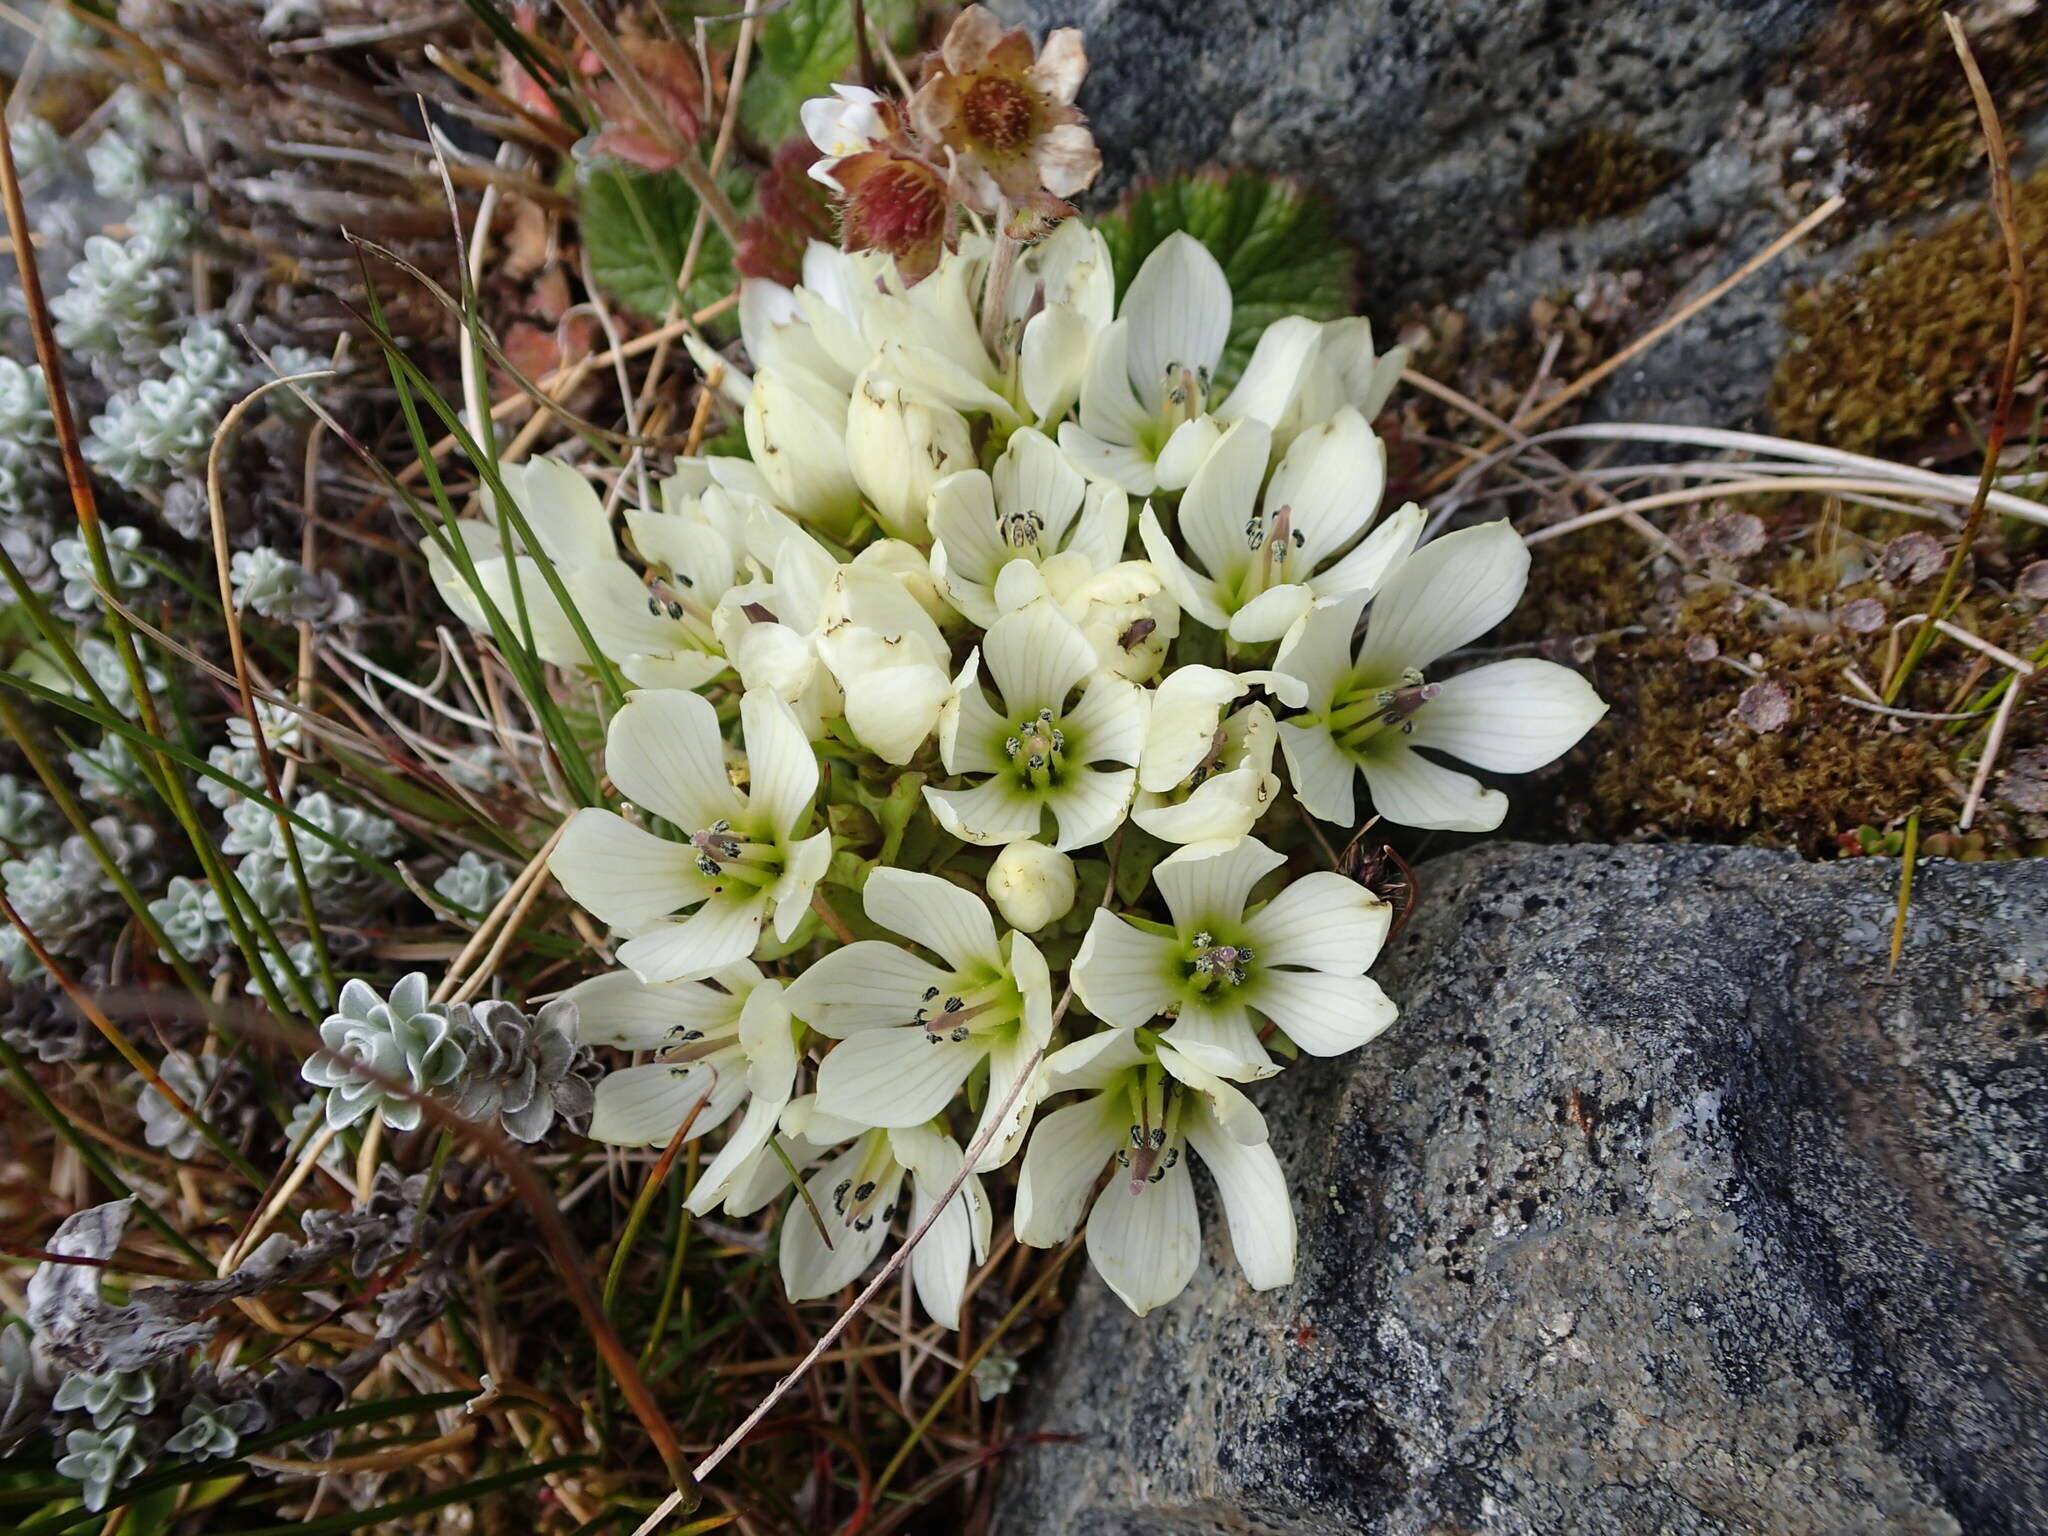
[1032, 885]
[842, 640]
[845, 123]
[1150, 372]
[796, 435]
[855, 1195]
[574, 535]
[1037, 751]
[1204, 779]
[695, 549]
[900, 446]
[740, 861]
[910, 1031]
[722, 1046]
[1033, 506]
[1264, 560]
[1369, 712]
[1146, 1106]
[1298, 961]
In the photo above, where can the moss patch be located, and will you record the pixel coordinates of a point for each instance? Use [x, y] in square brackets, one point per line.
[1680, 757]
[1594, 174]
[1916, 132]
[1879, 356]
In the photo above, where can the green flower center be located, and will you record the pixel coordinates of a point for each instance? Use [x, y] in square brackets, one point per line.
[961, 1008]
[1180, 401]
[1154, 1130]
[1209, 965]
[1037, 750]
[1365, 708]
[731, 860]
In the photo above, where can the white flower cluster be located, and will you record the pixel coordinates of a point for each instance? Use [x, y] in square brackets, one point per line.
[921, 645]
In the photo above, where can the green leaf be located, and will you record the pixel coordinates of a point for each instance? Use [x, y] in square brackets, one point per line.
[1275, 240]
[802, 48]
[637, 225]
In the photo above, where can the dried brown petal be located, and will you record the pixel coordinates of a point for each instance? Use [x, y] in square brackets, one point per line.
[1865, 616]
[2033, 582]
[1764, 707]
[1701, 648]
[1911, 558]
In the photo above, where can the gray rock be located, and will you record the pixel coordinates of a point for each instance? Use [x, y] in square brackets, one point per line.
[1664, 1209]
[1421, 120]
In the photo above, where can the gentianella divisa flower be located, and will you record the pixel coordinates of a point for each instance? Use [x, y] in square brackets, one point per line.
[1145, 1106]
[1205, 777]
[910, 1031]
[741, 859]
[1298, 961]
[1059, 716]
[724, 1041]
[1265, 557]
[1367, 711]
[663, 638]
[829, 1240]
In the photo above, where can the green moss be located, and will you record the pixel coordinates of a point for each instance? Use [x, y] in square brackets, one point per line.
[1879, 356]
[1594, 174]
[1914, 129]
[1674, 759]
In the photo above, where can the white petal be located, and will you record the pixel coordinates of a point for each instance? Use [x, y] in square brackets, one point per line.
[1510, 716]
[1324, 1015]
[1111, 415]
[893, 1076]
[1178, 310]
[665, 752]
[622, 874]
[1187, 708]
[1032, 475]
[988, 814]
[782, 770]
[1123, 975]
[1223, 808]
[1318, 652]
[805, 866]
[1067, 1152]
[969, 727]
[1098, 534]
[894, 690]
[1037, 657]
[1219, 501]
[940, 1263]
[1331, 479]
[1255, 1201]
[1211, 891]
[963, 519]
[1447, 594]
[1321, 774]
[644, 1106]
[1052, 359]
[864, 985]
[935, 913]
[1090, 805]
[1409, 789]
[1271, 614]
[619, 1009]
[747, 1143]
[563, 510]
[1145, 1245]
[1220, 1037]
[1186, 451]
[1108, 724]
[1008, 1061]
[721, 931]
[1190, 588]
[1100, 458]
[1365, 568]
[1273, 378]
[1323, 921]
[809, 1268]
[1088, 1064]
[1225, 1101]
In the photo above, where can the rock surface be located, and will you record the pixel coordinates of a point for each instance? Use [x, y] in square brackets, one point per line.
[1664, 1209]
[1427, 124]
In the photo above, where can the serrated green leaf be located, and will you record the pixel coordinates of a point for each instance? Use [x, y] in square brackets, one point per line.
[801, 49]
[1276, 242]
[637, 226]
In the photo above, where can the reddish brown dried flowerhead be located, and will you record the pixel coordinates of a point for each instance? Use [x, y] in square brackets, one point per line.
[894, 204]
[1007, 112]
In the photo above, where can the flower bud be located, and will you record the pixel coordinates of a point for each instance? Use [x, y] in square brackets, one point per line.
[795, 431]
[900, 448]
[1031, 885]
